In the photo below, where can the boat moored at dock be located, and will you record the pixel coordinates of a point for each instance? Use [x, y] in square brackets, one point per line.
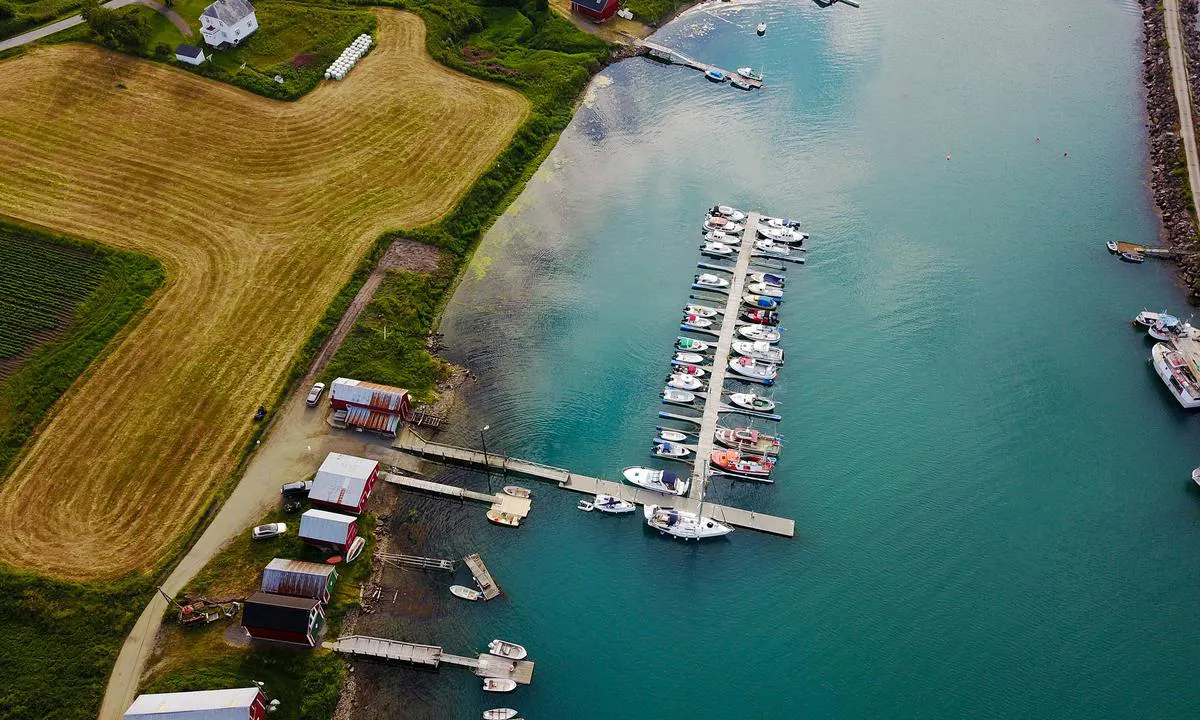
[1177, 374]
[751, 369]
[750, 401]
[466, 593]
[613, 505]
[683, 524]
[505, 649]
[662, 481]
[760, 350]
[499, 714]
[740, 465]
[499, 685]
[748, 440]
[691, 345]
[760, 316]
[767, 279]
[759, 333]
[728, 211]
[708, 280]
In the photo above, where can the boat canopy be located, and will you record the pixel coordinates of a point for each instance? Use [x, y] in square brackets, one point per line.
[669, 479]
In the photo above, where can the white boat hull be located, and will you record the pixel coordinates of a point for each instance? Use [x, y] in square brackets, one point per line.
[759, 333]
[507, 650]
[1187, 393]
[613, 505]
[656, 480]
[746, 401]
[683, 524]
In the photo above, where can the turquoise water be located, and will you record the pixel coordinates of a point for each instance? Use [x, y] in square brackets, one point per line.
[990, 486]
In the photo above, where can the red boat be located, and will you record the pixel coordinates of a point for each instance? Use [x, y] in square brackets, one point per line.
[733, 462]
[762, 317]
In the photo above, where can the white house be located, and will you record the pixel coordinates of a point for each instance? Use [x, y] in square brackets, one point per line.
[189, 54]
[227, 22]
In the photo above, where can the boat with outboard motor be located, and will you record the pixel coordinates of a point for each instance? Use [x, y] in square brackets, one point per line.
[727, 211]
[765, 290]
[686, 369]
[499, 714]
[691, 345]
[669, 435]
[517, 491]
[722, 223]
[499, 684]
[750, 401]
[613, 504]
[663, 481]
[505, 649]
[703, 311]
[778, 222]
[759, 333]
[678, 396]
[1177, 374]
[709, 280]
[1131, 257]
[466, 593]
[671, 451]
[787, 236]
[750, 368]
[716, 249]
[734, 462]
[748, 440]
[767, 279]
[695, 322]
[683, 524]
[760, 350]
[688, 358]
[715, 75]
[760, 301]
[772, 248]
[684, 382]
[723, 237]
[760, 316]
[749, 74]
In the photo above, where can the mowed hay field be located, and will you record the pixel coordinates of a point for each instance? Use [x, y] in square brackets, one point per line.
[259, 211]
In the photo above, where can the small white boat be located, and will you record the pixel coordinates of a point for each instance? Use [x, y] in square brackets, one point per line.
[749, 367]
[356, 549]
[760, 350]
[788, 236]
[684, 382]
[703, 311]
[502, 518]
[1196, 476]
[710, 280]
[750, 401]
[612, 504]
[499, 714]
[728, 210]
[761, 29]
[767, 279]
[466, 593]
[749, 73]
[658, 480]
[677, 396]
[763, 333]
[716, 248]
[671, 436]
[691, 345]
[765, 290]
[772, 248]
[1112, 246]
[517, 491]
[671, 451]
[585, 506]
[725, 225]
[722, 237]
[499, 685]
[506, 649]
[689, 358]
[1146, 318]
[687, 369]
[697, 322]
[683, 524]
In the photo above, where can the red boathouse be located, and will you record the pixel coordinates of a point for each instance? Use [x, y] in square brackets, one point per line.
[283, 618]
[597, 10]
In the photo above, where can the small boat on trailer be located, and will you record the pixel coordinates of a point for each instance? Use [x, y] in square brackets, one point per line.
[759, 333]
[613, 505]
[735, 463]
[466, 593]
[748, 440]
[760, 350]
[506, 649]
[728, 211]
[710, 280]
[691, 345]
[499, 714]
[750, 401]
[683, 524]
[503, 518]
[671, 451]
[517, 491]
[678, 396]
[662, 481]
[760, 301]
[765, 290]
[688, 358]
[767, 279]
[499, 685]
[750, 368]
[761, 316]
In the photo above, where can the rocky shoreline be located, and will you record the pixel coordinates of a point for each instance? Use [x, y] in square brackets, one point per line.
[1168, 170]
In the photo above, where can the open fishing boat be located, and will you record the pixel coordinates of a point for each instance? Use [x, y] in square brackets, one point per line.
[506, 649]
[728, 211]
[499, 714]
[717, 249]
[691, 345]
[671, 451]
[585, 506]
[748, 440]
[739, 83]
[661, 481]
[1111, 245]
[760, 301]
[1168, 327]
[765, 290]
[1146, 318]
[760, 350]
[499, 685]
[677, 396]
[779, 222]
[770, 247]
[1133, 257]
[750, 401]
[466, 593]
[703, 311]
[689, 358]
[710, 280]
[669, 435]
[684, 382]
[759, 333]
[683, 524]
[689, 370]
[767, 279]
[761, 316]
[749, 73]
[502, 518]
[724, 224]
[697, 322]
[734, 462]
[517, 491]
[750, 368]
[614, 505]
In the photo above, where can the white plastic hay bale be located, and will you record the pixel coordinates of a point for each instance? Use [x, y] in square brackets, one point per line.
[328, 74]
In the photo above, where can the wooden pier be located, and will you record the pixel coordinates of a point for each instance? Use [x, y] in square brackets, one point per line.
[410, 442]
[500, 502]
[483, 576]
[430, 657]
[415, 561]
[669, 55]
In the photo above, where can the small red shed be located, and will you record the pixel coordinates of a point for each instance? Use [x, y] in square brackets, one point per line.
[344, 482]
[598, 10]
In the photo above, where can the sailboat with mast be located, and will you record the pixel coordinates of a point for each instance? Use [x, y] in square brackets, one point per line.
[683, 523]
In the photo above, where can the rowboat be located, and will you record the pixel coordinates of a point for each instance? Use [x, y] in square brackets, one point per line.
[517, 491]
[613, 504]
[758, 350]
[669, 435]
[499, 714]
[465, 592]
[703, 311]
[750, 368]
[1133, 257]
[683, 524]
[506, 649]
[671, 451]
[750, 401]
[658, 480]
[760, 301]
[710, 280]
[697, 322]
[499, 685]
[690, 358]
[692, 345]
[748, 439]
[727, 210]
[1111, 245]
[759, 333]
[677, 396]
[734, 462]
[767, 279]
[717, 249]
[356, 549]
[684, 382]
[503, 518]
[761, 317]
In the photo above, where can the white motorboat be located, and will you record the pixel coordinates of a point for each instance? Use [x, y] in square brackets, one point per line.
[677, 396]
[465, 592]
[1177, 374]
[727, 210]
[750, 401]
[683, 524]
[772, 248]
[710, 280]
[671, 436]
[767, 279]
[779, 222]
[499, 685]
[697, 322]
[760, 350]
[671, 451]
[1196, 476]
[725, 225]
[703, 311]
[686, 369]
[506, 649]
[722, 237]
[662, 481]
[750, 368]
[689, 358]
[788, 236]
[749, 74]
[499, 714]
[684, 382]
[585, 506]
[763, 333]
[765, 290]
[1146, 318]
[612, 504]
[517, 491]
[716, 248]
[691, 345]
[1168, 327]
[761, 29]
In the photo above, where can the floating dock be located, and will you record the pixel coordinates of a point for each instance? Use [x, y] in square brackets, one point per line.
[500, 502]
[410, 442]
[483, 576]
[430, 657]
[669, 55]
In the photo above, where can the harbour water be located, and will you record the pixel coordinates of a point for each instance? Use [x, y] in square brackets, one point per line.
[990, 486]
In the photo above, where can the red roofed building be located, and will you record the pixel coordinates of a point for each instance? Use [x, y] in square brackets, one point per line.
[344, 482]
[598, 10]
[370, 406]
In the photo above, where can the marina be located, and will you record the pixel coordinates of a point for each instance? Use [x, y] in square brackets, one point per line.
[747, 81]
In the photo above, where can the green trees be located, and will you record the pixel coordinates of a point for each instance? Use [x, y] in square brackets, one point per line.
[117, 30]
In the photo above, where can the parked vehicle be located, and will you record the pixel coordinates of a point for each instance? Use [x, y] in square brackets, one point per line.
[296, 488]
[270, 530]
[314, 395]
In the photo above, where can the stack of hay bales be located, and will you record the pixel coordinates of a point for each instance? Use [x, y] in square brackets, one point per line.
[349, 57]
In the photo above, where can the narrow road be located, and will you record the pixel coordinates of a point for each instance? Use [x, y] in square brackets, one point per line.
[1183, 97]
[74, 20]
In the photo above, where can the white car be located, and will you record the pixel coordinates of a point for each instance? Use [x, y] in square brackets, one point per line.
[270, 530]
[314, 395]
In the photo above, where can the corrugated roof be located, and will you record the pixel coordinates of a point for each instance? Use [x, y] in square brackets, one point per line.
[278, 612]
[231, 704]
[325, 526]
[230, 12]
[342, 479]
[368, 394]
[301, 566]
[296, 577]
[376, 420]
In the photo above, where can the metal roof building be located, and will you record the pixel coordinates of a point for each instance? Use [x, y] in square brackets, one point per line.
[233, 704]
[344, 482]
[299, 579]
[328, 529]
[370, 406]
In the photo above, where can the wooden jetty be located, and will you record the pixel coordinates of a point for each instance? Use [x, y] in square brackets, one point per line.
[410, 442]
[415, 561]
[500, 502]
[430, 657]
[669, 55]
[1143, 250]
[483, 576]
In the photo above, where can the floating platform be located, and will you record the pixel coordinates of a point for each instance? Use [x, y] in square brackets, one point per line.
[500, 502]
[483, 576]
